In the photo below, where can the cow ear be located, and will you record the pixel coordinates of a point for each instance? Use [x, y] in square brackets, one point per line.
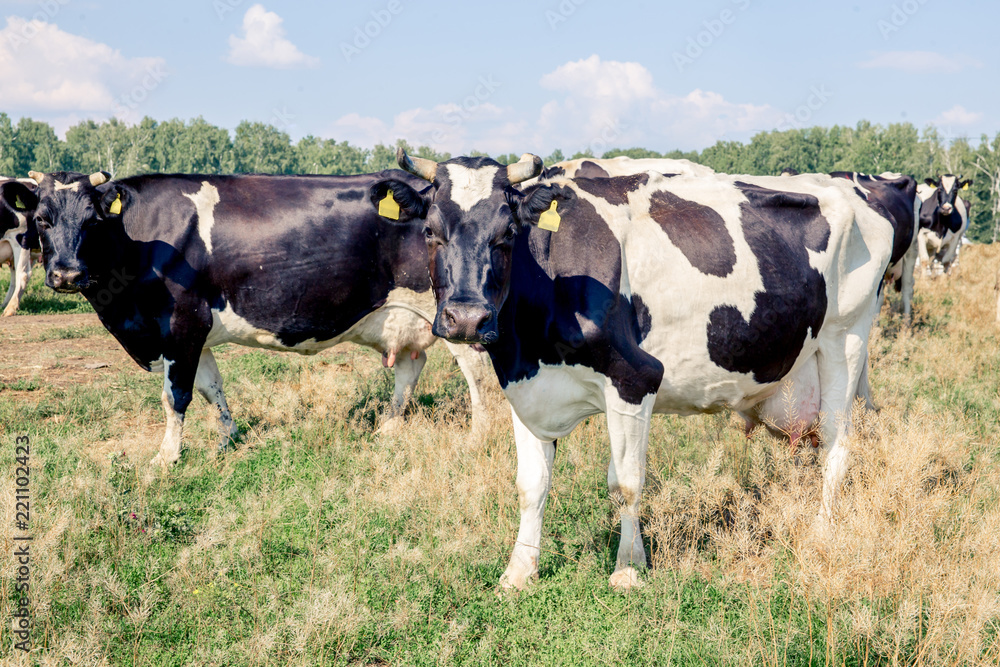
[396, 201]
[965, 184]
[931, 182]
[113, 199]
[18, 197]
[538, 199]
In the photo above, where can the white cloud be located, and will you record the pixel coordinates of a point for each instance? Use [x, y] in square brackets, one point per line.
[958, 115]
[263, 43]
[600, 105]
[920, 62]
[46, 69]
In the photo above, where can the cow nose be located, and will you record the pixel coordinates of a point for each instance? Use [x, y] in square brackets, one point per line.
[468, 323]
[947, 208]
[66, 279]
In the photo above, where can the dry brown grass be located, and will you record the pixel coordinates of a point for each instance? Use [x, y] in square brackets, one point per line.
[318, 541]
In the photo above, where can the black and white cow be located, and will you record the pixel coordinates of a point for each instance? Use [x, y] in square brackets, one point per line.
[621, 166]
[175, 265]
[17, 238]
[655, 294]
[944, 217]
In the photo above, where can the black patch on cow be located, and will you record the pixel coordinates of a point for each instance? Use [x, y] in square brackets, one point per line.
[613, 190]
[698, 231]
[779, 227]
[891, 198]
[590, 169]
[350, 195]
[564, 306]
[642, 318]
[552, 172]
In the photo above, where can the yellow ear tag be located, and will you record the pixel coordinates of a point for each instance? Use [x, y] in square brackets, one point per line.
[18, 204]
[549, 220]
[388, 208]
[116, 206]
[965, 187]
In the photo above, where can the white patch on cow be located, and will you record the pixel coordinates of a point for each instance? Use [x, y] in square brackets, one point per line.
[66, 186]
[924, 192]
[470, 186]
[947, 183]
[20, 265]
[557, 398]
[204, 203]
[402, 324]
[857, 184]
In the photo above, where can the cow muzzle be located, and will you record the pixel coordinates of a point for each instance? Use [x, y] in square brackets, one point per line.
[67, 280]
[466, 323]
[947, 209]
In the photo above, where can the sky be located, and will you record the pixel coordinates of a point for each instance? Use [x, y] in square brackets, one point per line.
[507, 77]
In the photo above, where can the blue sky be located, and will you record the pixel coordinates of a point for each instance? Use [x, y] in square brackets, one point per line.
[506, 77]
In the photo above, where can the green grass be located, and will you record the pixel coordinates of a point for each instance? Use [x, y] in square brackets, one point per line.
[319, 542]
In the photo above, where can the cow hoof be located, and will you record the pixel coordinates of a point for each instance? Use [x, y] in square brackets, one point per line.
[391, 426]
[162, 463]
[513, 582]
[625, 579]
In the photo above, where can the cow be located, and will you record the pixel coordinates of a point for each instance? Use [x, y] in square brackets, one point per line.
[646, 293]
[177, 264]
[944, 217]
[620, 166]
[18, 240]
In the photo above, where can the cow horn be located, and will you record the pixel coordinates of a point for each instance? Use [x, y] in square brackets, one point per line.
[418, 166]
[37, 176]
[527, 167]
[99, 178]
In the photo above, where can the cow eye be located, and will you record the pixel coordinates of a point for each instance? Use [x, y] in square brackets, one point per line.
[510, 233]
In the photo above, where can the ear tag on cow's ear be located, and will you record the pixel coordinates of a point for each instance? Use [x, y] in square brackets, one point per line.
[965, 187]
[549, 220]
[388, 208]
[18, 204]
[116, 206]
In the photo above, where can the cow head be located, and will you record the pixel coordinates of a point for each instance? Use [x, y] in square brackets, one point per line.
[471, 223]
[946, 191]
[17, 204]
[71, 207]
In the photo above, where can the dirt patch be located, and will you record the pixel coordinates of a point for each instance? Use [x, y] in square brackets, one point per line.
[56, 350]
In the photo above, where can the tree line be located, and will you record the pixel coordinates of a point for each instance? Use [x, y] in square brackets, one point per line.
[197, 146]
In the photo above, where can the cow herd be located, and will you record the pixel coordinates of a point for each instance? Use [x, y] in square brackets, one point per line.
[624, 287]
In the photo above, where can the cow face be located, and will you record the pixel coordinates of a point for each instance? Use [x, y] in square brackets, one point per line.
[946, 190]
[17, 205]
[470, 229]
[70, 207]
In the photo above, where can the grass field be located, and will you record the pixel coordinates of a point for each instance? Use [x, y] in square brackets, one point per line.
[318, 542]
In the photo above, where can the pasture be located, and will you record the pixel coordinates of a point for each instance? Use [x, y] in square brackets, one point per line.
[320, 542]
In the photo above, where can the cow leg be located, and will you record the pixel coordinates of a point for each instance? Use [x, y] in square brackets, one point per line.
[841, 365]
[628, 427]
[178, 386]
[7, 256]
[208, 382]
[407, 370]
[908, 278]
[534, 479]
[476, 367]
[21, 270]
